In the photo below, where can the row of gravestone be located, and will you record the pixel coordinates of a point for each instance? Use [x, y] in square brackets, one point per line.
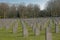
[8, 23]
[36, 31]
[42, 21]
[34, 22]
[48, 36]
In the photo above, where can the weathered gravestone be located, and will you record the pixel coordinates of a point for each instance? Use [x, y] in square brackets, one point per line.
[30, 22]
[56, 28]
[7, 23]
[56, 21]
[15, 26]
[48, 34]
[36, 29]
[24, 29]
[50, 24]
[1, 23]
[43, 22]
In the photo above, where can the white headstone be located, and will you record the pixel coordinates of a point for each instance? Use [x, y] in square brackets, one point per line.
[24, 29]
[48, 35]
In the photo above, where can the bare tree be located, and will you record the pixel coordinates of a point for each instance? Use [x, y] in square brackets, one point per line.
[22, 10]
[12, 13]
[4, 9]
[53, 7]
[30, 10]
[36, 10]
[33, 10]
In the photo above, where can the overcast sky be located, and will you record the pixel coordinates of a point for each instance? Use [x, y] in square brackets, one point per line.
[39, 2]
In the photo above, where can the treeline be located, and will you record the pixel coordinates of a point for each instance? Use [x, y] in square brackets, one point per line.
[30, 11]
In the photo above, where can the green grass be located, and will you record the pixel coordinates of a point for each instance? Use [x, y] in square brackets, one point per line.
[9, 35]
